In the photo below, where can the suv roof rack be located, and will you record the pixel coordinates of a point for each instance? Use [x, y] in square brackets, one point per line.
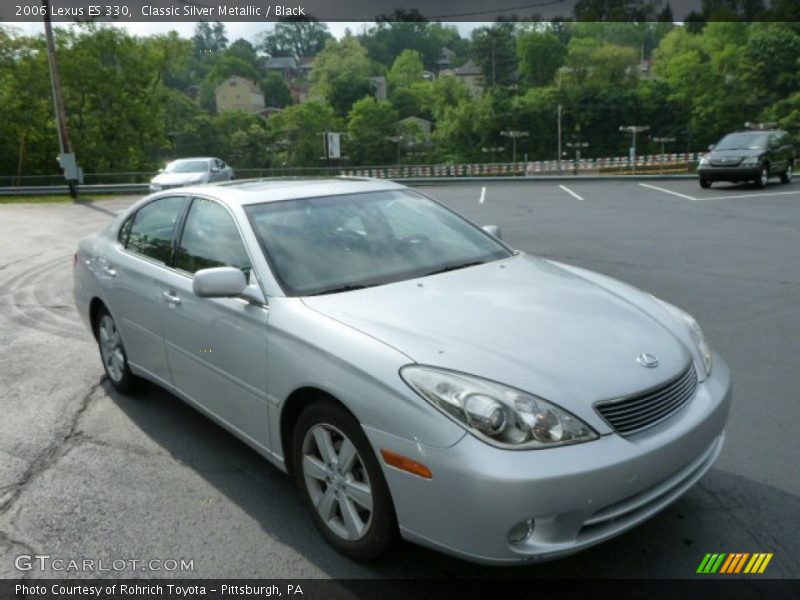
[760, 126]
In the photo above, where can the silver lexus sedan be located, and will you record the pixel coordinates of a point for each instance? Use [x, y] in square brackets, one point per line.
[419, 377]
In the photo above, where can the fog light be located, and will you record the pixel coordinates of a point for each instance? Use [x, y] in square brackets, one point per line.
[520, 532]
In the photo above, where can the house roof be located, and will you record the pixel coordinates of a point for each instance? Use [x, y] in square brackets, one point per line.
[468, 68]
[281, 62]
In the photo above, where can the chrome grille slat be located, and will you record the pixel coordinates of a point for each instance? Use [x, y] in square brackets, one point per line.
[647, 402]
[640, 411]
[652, 417]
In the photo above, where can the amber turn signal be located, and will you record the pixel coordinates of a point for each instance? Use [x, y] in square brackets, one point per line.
[405, 464]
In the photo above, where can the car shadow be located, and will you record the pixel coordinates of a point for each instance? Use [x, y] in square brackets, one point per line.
[723, 513]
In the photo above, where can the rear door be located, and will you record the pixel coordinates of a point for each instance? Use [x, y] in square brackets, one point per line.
[217, 347]
[133, 277]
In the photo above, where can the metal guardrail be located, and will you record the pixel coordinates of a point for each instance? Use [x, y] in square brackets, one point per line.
[57, 190]
[144, 188]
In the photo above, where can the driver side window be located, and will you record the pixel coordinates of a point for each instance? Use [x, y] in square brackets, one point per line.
[210, 239]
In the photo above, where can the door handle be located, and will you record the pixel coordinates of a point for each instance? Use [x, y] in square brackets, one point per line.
[171, 298]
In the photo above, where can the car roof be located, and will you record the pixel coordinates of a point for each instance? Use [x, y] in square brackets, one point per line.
[257, 191]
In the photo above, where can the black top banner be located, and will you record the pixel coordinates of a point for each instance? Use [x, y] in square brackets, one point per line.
[398, 10]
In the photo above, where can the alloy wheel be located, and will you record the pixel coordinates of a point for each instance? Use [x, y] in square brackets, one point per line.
[337, 481]
[764, 176]
[111, 348]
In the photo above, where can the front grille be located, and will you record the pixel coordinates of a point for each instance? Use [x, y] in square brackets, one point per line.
[635, 413]
[725, 161]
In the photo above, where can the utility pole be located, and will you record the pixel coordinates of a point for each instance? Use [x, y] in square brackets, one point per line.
[633, 130]
[663, 141]
[66, 158]
[559, 137]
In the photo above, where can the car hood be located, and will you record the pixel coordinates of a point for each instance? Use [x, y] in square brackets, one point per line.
[522, 321]
[178, 178]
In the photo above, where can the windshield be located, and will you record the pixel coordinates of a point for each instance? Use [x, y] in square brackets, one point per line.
[339, 243]
[743, 141]
[187, 166]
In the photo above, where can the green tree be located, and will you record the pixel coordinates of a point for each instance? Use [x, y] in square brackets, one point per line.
[341, 74]
[494, 51]
[370, 125]
[296, 133]
[296, 36]
[276, 92]
[541, 54]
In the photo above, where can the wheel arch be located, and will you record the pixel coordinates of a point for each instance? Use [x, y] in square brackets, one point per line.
[96, 306]
[292, 408]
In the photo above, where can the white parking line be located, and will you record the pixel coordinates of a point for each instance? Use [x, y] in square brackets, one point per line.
[570, 192]
[750, 195]
[483, 195]
[666, 191]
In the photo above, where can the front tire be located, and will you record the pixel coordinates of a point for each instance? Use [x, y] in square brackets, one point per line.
[705, 183]
[112, 352]
[763, 177]
[342, 483]
[786, 176]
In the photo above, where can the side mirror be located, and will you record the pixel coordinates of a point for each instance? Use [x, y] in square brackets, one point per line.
[493, 230]
[711, 146]
[219, 282]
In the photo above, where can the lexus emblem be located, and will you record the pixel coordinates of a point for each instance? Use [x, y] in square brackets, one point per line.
[647, 360]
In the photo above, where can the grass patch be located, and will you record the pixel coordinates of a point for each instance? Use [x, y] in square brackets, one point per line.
[61, 198]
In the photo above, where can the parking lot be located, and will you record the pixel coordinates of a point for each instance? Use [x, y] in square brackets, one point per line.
[88, 473]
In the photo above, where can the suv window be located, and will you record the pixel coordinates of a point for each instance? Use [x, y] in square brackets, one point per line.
[150, 232]
[210, 239]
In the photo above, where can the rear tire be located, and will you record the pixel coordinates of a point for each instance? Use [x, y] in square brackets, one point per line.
[112, 353]
[786, 176]
[342, 483]
[705, 183]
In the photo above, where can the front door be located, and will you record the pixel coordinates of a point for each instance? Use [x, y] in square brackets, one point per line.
[217, 347]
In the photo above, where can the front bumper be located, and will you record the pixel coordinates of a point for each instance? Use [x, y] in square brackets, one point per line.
[730, 173]
[575, 496]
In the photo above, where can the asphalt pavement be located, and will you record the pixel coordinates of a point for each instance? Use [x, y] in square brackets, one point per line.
[86, 473]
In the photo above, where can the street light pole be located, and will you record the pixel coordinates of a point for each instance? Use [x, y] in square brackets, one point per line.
[634, 129]
[663, 141]
[577, 146]
[514, 134]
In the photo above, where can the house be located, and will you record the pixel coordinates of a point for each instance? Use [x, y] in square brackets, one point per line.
[378, 87]
[470, 74]
[285, 66]
[446, 58]
[238, 93]
[423, 124]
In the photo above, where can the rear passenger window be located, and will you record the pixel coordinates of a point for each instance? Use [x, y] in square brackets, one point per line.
[210, 239]
[150, 233]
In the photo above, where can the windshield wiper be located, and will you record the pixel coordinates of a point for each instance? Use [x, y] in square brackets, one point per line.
[455, 267]
[343, 288]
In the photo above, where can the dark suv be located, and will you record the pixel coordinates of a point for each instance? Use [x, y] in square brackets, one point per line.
[749, 156]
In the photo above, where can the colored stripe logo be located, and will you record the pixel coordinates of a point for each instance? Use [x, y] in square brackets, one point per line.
[734, 562]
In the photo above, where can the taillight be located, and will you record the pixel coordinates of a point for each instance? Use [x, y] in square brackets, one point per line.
[75, 260]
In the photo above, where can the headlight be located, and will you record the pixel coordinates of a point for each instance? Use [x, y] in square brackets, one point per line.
[698, 338]
[751, 160]
[704, 161]
[495, 413]
[155, 187]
